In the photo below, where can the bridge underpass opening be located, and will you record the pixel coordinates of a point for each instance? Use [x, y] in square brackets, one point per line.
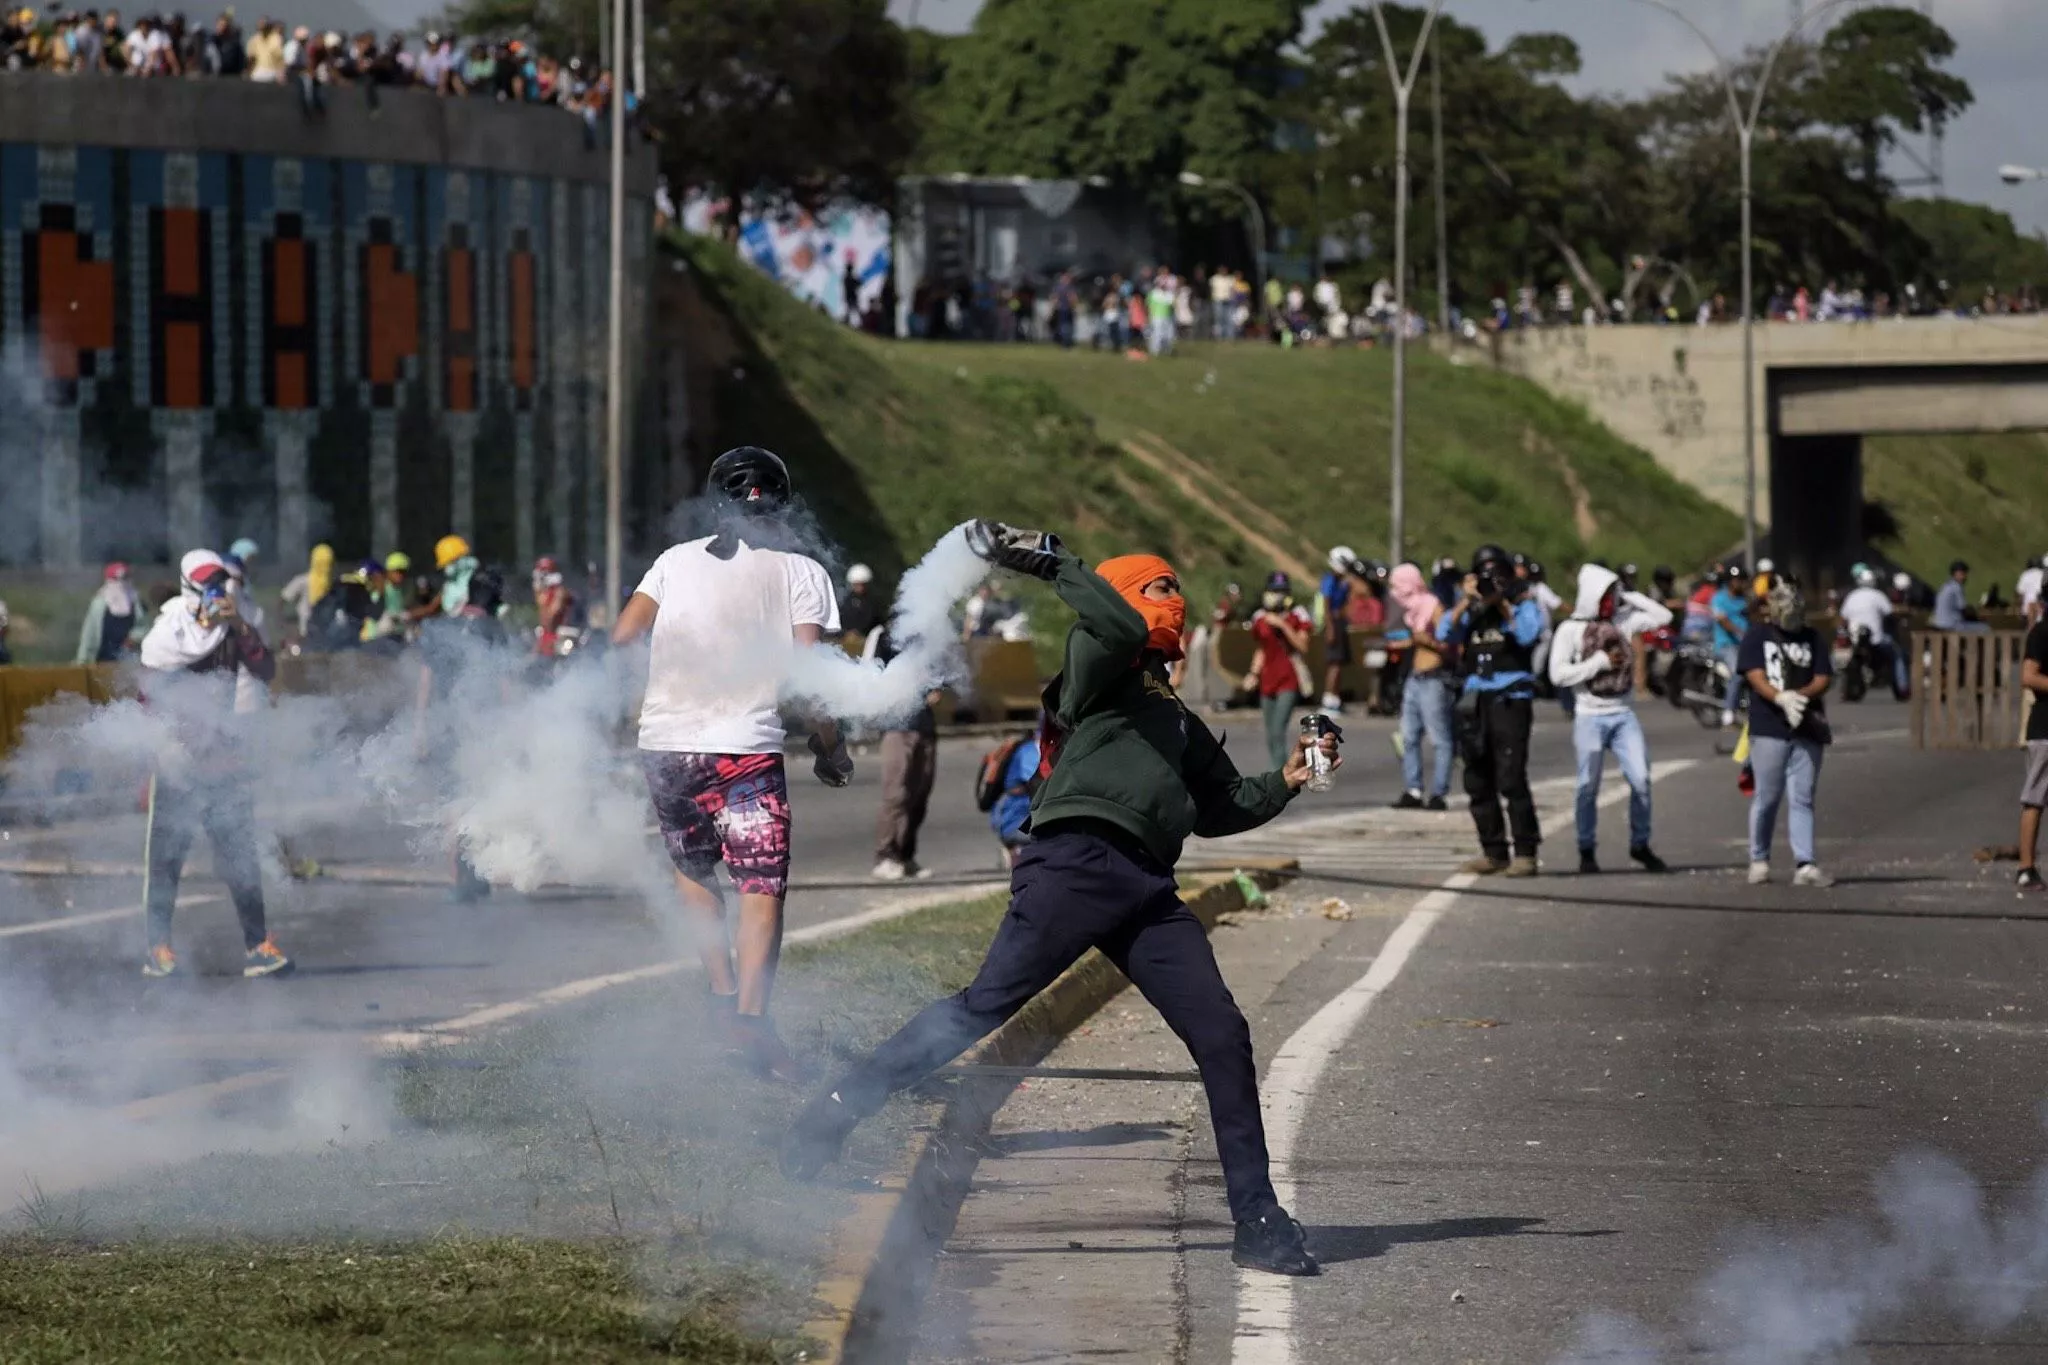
[1818, 417]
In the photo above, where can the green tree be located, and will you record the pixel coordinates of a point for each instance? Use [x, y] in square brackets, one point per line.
[1878, 73]
[1974, 248]
[807, 100]
[1132, 90]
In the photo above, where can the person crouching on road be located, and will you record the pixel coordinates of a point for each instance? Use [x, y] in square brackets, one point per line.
[1496, 626]
[711, 736]
[196, 651]
[1788, 667]
[1593, 654]
[1131, 773]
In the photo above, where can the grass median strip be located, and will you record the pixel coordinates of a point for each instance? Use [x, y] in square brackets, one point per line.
[595, 1185]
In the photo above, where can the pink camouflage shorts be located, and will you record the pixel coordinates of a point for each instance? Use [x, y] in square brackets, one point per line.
[729, 808]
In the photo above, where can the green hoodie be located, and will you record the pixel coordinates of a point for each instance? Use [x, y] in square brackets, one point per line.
[1133, 755]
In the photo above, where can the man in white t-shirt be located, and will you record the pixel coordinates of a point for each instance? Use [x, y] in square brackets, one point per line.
[725, 614]
[2028, 589]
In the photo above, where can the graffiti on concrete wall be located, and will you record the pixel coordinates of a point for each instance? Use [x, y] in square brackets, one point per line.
[220, 344]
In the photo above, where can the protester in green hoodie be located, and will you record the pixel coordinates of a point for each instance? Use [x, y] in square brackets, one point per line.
[1130, 774]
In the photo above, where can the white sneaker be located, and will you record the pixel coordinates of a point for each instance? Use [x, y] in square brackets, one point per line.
[1809, 874]
[1727, 720]
[915, 872]
[1333, 705]
[889, 870]
[1759, 873]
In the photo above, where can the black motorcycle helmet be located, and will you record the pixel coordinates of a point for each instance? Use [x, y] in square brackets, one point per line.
[755, 479]
[486, 590]
[1491, 554]
[1536, 571]
[1628, 576]
[1663, 577]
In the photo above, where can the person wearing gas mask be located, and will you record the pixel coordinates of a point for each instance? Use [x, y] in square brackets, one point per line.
[1130, 774]
[1593, 654]
[722, 612]
[1788, 667]
[1496, 627]
[196, 650]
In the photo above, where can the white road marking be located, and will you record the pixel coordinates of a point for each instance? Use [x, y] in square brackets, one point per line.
[1265, 1303]
[44, 926]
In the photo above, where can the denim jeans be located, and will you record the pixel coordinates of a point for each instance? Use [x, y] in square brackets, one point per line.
[1783, 766]
[1727, 654]
[1277, 711]
[1593, 734]
[1426, 703]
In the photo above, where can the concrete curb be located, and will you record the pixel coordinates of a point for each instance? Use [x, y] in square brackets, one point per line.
[883, 1251]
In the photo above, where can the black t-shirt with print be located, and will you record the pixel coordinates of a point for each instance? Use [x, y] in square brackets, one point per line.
[2037, 650]
[1790, 660]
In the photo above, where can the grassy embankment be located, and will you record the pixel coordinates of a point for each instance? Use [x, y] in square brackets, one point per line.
[595, 1187]
[1979, 498]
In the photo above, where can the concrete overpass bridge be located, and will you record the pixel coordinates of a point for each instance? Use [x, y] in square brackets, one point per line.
[1677, 392]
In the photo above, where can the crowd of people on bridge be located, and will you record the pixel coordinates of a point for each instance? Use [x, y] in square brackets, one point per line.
[96, 42]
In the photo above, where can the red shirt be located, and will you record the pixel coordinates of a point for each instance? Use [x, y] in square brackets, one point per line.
[1276, 656]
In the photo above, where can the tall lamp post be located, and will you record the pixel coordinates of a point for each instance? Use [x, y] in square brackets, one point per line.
[1745, 136]
[1258, 225]
[615, 348]
[1404, 85]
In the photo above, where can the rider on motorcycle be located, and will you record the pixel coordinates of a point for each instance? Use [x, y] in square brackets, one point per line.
[1867, 610]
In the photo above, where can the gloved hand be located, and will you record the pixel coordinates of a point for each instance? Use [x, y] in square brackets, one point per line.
[1794, 706]
[834, 766]
[1016, 548]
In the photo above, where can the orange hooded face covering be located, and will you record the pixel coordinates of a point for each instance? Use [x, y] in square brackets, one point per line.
[1164, 621]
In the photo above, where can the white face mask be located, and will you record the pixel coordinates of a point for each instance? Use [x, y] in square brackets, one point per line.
[1273, 601]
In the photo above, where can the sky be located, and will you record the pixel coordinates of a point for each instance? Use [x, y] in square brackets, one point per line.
[2001, 48]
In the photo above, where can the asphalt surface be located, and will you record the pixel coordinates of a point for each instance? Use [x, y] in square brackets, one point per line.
[1623, 1117]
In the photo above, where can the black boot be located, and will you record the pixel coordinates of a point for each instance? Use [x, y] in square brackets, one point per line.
[1275, 1243]
[814, 1141]
[1588, 864]
[1650, 861]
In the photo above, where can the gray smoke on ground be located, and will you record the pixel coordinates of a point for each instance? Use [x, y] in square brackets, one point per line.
[1937, 1246]
[529, 768]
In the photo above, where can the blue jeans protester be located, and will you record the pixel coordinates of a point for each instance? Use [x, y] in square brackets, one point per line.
[1426, 705]
[1783, 767]
[1593, 734]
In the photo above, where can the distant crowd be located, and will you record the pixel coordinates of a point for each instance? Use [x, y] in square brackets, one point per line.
[154, 45]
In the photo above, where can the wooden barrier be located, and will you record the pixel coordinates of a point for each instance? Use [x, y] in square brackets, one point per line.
[25, 687]
[1968, 693]
[1006, 679]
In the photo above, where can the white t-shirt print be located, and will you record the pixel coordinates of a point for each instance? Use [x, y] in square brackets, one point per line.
[721, 645]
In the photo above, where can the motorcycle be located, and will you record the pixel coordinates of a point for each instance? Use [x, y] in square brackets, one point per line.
[1697, 681]
[1864, 665]
[1660, 657]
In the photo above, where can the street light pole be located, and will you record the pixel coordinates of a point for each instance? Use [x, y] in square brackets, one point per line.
[1404, 86]
[615, 349]
[1745, 138]
[1256, 218]
[1443, 242]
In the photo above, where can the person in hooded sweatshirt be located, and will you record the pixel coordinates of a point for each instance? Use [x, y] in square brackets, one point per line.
[111, 618]
[197, 650]
[1593, 653]
[1130, 773]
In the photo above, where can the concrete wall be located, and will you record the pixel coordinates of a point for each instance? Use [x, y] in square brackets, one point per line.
[1677, 391]
[221, 317]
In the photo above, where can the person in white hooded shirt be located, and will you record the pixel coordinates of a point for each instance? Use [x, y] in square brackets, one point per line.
[1593, 652]
[195, 655]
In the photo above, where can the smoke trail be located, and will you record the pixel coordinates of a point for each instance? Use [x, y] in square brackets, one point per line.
[928, 653]
[1936, 1244]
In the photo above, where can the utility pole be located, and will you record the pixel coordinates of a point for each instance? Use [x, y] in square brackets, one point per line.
[1404, 86]
[1443, 243]
[615, 349]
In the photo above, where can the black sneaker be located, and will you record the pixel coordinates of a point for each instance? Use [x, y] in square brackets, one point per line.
[2027, 879]
[1650, 861]
[1273, 1243]
[814, 1141]
[1435, 803]
[1588, 864]
[1408, 801]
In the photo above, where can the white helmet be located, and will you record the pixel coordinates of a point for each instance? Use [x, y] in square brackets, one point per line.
[1764, 565]
[859, 575]
[1342, 558]
[1866, 577]
[1902, 580]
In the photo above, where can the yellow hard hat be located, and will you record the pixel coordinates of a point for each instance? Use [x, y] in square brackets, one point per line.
[448, 549]
[398, 561]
